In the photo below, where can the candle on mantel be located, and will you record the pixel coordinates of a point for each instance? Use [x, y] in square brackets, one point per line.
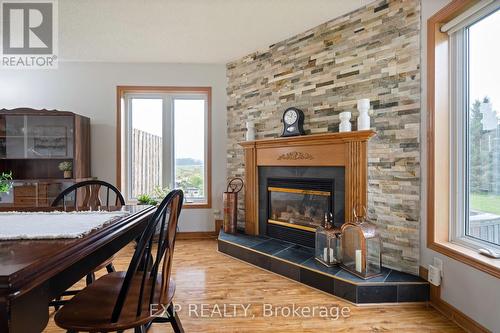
[358, 261]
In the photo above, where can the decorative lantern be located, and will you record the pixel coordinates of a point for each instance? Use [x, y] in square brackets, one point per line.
[361, 248]
[328, 243]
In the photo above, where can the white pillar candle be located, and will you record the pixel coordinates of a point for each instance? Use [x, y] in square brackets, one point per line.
[326, 258]
[250, 135]
[345, 124]
[364, 118]
[363, 104]
[358, 261]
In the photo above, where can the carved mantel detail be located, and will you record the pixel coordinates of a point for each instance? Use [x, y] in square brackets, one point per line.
[295, 155]
[347, 149]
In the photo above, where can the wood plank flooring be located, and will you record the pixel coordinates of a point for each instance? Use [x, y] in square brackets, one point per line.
[207, 279]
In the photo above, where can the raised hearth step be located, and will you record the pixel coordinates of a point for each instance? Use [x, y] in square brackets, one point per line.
[297, 262]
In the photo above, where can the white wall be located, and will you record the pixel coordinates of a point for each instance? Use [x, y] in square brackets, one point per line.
[473, 292]
[89, 89]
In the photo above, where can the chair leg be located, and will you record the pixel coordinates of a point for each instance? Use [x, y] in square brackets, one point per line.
[110, 268]
[139, 329]
[57, 302]
[90, 278]
[174, 319]
[57, 306]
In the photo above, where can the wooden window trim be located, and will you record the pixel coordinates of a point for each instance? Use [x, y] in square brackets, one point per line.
[122, 90]
[438, 154]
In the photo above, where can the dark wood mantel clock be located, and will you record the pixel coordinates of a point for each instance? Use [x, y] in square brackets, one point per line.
[293, 122]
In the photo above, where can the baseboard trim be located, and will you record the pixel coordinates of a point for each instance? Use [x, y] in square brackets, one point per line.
[449, 311]
[196, 235]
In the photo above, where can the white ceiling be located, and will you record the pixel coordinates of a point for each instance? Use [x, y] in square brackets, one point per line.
[185, 31]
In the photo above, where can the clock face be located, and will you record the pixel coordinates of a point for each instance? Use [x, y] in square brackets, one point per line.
[290, 117]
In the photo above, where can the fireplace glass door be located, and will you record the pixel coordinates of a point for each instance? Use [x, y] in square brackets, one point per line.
[298, 208]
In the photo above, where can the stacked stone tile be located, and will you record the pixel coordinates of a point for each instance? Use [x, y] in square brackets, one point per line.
[373, 52]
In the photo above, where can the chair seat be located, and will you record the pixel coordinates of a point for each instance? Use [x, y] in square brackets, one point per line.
[91, 309]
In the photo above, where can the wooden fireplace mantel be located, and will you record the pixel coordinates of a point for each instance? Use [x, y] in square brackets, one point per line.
[348, 149]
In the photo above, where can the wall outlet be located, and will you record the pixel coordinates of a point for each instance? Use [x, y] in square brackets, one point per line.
[434, 276]
[438, 263]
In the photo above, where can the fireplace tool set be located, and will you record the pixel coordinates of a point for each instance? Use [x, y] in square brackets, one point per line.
[230, 199]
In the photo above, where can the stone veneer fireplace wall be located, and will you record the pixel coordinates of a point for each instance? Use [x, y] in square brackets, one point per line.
[373, 53]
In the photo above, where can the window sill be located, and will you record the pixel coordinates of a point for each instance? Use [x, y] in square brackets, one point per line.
[467, 256]
[196, 206]
[184, 206]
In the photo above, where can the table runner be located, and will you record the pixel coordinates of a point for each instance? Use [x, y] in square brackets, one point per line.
[52, 225]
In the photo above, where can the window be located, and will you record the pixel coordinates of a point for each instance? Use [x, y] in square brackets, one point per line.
[165, 138]
[454, 53]
[475, 129]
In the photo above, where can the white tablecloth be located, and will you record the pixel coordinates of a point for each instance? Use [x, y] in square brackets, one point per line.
[51, 225]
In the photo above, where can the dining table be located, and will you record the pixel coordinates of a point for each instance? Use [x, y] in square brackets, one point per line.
[33, 272]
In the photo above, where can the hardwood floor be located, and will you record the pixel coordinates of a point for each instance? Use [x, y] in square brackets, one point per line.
[205, 276]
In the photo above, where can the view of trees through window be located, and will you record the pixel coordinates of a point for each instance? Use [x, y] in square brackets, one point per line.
[484, 130]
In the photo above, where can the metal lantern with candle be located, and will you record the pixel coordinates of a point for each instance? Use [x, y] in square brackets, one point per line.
[361, 247]
[328, 242]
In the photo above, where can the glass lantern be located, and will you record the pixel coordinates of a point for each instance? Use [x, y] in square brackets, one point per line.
[328, 243]
[361, 249]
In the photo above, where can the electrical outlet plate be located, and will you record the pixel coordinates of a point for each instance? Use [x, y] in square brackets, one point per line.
[438, 263]
[434, 275]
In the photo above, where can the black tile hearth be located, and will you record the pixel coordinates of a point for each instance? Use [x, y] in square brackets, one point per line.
[298, 263]
[272, 246]
[316, 280]
[345, 275]
[377, 294]
[411, 293]
[345, 290]
[296, 253]
[396, 276]
[283, 268]
[313, 264]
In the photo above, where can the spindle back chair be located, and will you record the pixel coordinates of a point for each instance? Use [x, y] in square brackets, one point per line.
[87, 194]
[146, 285]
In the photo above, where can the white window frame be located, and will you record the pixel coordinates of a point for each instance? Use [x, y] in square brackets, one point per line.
[460, 104]
[168, 133]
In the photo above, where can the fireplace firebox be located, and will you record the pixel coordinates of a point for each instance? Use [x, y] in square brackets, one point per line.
[293, 201]
[299, 203]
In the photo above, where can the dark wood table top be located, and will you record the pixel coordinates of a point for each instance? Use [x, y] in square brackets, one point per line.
[24, 264]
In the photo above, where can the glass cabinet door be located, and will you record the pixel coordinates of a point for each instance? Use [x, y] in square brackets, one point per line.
[49, 137]
[12, 135]
[36, 137]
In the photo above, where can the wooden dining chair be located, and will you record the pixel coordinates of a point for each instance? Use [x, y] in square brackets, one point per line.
[135, 298]
[88, 195]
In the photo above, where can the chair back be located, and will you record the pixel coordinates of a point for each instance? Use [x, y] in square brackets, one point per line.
[146, 266]
[89, 194]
